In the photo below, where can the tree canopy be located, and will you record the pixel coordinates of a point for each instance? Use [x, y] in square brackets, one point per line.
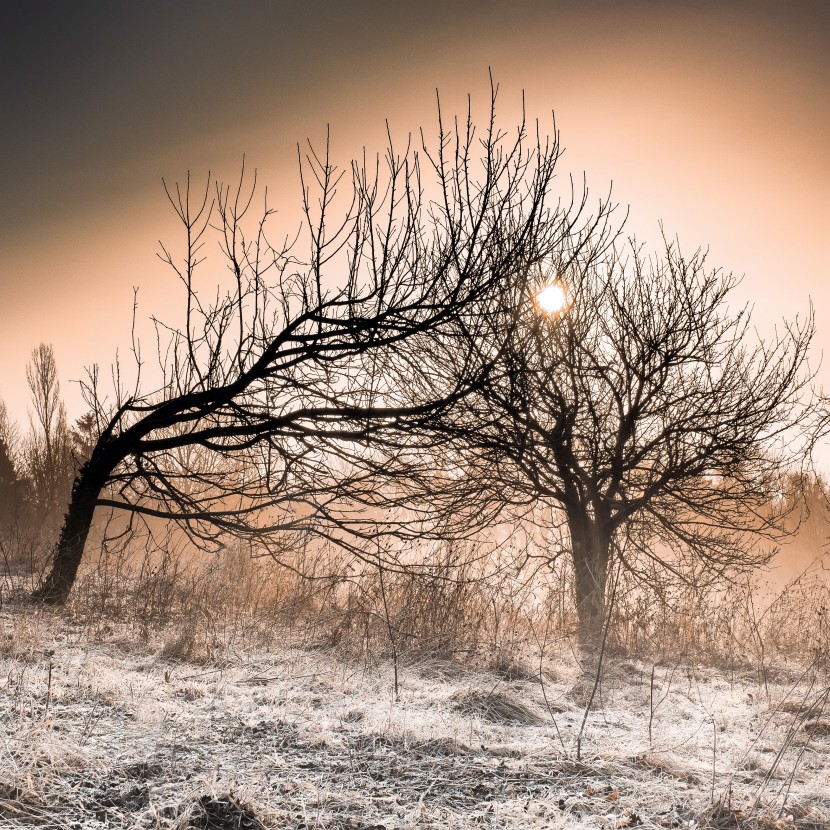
[296, 359]
[645, 411]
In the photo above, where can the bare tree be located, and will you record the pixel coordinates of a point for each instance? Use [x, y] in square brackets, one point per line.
[641, 409]
[277, 388]
[47, 448]
[9, 478]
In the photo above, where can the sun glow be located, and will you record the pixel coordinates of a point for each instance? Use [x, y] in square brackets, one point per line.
[552, 299]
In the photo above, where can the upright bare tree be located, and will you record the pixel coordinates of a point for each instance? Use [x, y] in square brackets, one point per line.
[277, 387]
[47, 449]
[9, 479]
[630, 398]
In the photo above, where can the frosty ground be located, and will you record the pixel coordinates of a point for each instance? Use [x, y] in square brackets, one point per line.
[105, 729]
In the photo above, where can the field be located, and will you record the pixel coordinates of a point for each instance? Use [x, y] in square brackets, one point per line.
[104, 727]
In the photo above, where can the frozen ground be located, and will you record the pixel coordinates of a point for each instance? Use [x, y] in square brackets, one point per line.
[106, 731]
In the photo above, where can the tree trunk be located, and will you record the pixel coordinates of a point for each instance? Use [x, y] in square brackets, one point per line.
[69, 550]
[590, 546]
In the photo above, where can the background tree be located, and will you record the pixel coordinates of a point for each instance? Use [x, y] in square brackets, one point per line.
[645, 412]
[47, 450]
[10, 485]
[287, 366]
[83, 435]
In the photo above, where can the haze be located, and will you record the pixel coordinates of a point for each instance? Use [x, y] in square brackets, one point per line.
[712, 118]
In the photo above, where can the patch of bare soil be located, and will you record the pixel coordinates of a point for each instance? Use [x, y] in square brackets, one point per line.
[97, 735]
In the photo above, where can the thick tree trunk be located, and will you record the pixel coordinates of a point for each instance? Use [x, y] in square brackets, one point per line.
[69, 550]
[590, 545]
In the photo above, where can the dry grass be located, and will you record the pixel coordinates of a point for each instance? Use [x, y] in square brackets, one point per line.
[226, 692]
[107, 729]
[496, 707]
[493, 615]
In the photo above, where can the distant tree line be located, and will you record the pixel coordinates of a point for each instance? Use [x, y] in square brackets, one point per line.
[38, 464]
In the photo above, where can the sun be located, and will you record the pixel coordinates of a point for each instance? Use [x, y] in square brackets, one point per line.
[552, 299]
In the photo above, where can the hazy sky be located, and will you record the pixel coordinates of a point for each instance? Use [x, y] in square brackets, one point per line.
[713, 117]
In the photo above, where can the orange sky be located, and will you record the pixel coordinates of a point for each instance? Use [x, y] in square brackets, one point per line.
[712, 117]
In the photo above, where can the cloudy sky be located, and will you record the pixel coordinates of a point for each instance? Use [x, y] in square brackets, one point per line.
[712, 117]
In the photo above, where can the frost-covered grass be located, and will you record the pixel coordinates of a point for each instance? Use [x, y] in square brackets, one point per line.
[102, 728]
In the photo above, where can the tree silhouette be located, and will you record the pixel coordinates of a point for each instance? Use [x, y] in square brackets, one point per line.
[645, 413]
[277, 389]
[8, 485]
[47, 450]
[12, 487]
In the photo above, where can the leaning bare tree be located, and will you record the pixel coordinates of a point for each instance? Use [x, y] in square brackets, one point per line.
[277, 388]
[632, 400]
